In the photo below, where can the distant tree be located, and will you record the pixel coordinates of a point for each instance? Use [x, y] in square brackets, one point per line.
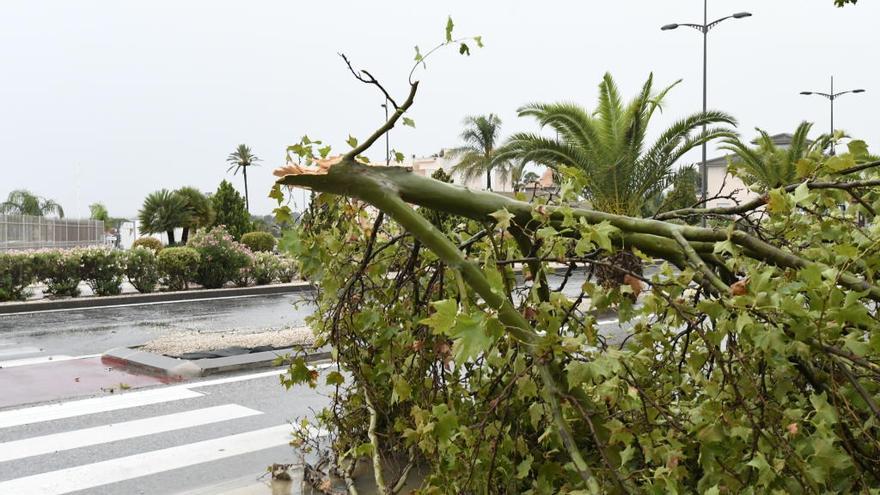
[97, 211]
[231, 210]
[201, 211]
[24, 202]
[766, 165]
[479, 153]
[241, 159]
[164, 211]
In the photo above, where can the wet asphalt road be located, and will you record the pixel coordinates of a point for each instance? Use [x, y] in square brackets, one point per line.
[90, 331]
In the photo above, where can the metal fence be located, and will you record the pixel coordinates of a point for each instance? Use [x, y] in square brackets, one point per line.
[27, 232]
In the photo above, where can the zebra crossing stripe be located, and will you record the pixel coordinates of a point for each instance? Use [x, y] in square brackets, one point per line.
[157, 461]
[86, 437]
[15, 351]
[51, 412]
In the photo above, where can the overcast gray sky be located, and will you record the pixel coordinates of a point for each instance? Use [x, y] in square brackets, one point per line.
[108, 101]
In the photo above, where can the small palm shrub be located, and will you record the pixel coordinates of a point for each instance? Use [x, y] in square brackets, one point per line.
[17, 272]
[258, 241]
[142, 268]
[265, 268]
[177, 266]
[221, 258]
[286, 269]
[148, 242]
[102, 269]
[60, 270]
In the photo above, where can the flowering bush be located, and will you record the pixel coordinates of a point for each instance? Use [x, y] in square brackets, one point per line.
[60, 270]
[245, 273]
[265, 268]
[17, 272]
[148, 242]
[142, 268]
[286, 269]
[258, 241]
[221, 257]
[177, 266]
[102, 268]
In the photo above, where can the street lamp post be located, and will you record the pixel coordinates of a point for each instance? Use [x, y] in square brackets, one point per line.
[831, 96]
[704, 28]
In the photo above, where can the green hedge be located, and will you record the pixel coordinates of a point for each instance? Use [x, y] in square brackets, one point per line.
[259, 241]
[148, 242]
[213, 261]
[178, 266]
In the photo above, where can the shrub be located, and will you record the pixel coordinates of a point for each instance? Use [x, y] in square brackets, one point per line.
[221, 257]
[148, 242]
[17, 272]
[265, 268]
[102, 269]
[60, 270]
[142, 268]
[286, 269]
[259, 241]
[177, 266]
[246, 273]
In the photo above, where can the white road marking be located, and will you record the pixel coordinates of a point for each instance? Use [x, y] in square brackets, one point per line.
[86, 437]
[241, 378]
[51, 412]
[135, 466]
[15, 351]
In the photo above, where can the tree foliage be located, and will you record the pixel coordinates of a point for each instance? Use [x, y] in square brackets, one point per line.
[242, 159]
[749, 362]
[24, 202]
[230, 210]
[164, 211]
[200, 208]
[479, 154]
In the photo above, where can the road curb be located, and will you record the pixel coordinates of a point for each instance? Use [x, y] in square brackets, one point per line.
[182, 369]
[154, 297]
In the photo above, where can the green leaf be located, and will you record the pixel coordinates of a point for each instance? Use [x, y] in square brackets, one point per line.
[335, 378]
[479, 41]
[401, 390]
[449, 26]
[352, 141]
[522, 470]
[464, 50]
[283, 214]
[447, 423]
[471, 337]
[324, 151]
[858, 149]
[276, 194]
[840, 162]
[503, 217]
[409, 122]
[398, 157]
[419, 56]
[443, 318]
[801, 193]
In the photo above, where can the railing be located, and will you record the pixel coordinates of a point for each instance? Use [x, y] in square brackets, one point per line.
[29, 232]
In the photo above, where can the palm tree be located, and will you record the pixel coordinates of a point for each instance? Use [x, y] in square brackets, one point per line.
[23, 202]
[608, 145]
[608, 148]
[241, 159]
[767, 166]
[201, 210]
[479, 154]
[164, 211]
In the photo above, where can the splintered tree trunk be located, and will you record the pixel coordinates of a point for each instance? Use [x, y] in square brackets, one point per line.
[616, 267]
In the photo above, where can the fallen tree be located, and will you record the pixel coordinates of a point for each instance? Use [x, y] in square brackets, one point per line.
[751, 367]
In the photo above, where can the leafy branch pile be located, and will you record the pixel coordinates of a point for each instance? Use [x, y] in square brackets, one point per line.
[753, 364]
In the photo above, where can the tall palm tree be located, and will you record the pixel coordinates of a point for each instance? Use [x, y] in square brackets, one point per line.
[201, 210]
[164, 211]
[479, 154]
[24, 202]
[608, 145]
[766, 165]
[241, 159]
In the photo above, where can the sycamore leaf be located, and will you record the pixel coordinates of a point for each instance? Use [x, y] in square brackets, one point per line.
[409, 122]
[398, 157]
[276, 194]
[324, 151]
[463, 49]
[352, 141]
[503, 217]
[335, 378]
[858, 149]
[443, 318]
[419, 56]
[471, 336]
[282, 214]
[479, 41]
[449, 26]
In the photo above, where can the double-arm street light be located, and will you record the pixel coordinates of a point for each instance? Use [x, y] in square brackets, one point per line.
[831, 96]
[704, 28]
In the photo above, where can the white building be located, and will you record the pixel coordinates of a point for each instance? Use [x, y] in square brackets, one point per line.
[427, 165]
